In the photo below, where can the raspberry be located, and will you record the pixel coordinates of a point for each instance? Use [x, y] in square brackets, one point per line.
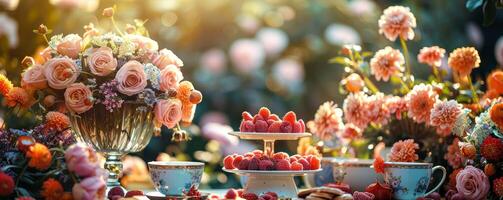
[258, 153]
[240, 192]
[133, 193]
[270, 121]
[264, 112]
[115, 191]
[228, 160]
[290, 117]
[116, 197]
[266, 165]
[250, 196]
[237, 160]
[247, 116]
[266, 197]
[231, 194]
[272, 194]
[315, 163]
[285, 127]
[498, 186]
[274, 127]
[492, 148]
[293, 159]
[274, 117]
[261, 126]
[302, 126]
[296, 166]
[309, 158]
[297, 156]
[297, 128]
[280, 155]
[254, 164]
[305, 164]
[244, 164]
[283, 165]
[249, 155]
[257, 117]
[247, 126]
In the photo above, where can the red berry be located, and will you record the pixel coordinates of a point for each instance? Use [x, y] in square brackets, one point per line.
[285, 127]
[267, 197]
[240, 192]
[280, 155]
[498, 186]
[134, 193]
[290, 117]
[305, 164]
[283, 165]
[266, 165]
[302, 126]
[249, 155]
[293, 159]
[231, 194]
[116, 197]
[258, 153]
[297, 156]
[244, 164]
[492, 149]
[237, 160]
[309, 158]
[273, 194]
[257, 117]
[315, 163]
[274, 127]
[270, 121]
[115, 191]
[264, 112]
[250, 196]
[274, 117]
[297, 128]
[261, 126]
[247, 116]
[247, 126]
[296, 166]
[254, 164]
[228, 160]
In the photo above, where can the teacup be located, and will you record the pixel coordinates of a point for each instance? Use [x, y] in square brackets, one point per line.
[357, 173]
[324, 176]
[174, 177]
[410, 180]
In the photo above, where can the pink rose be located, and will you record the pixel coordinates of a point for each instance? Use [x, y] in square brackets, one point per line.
[168, 112]
[82, 160]
[60, 72]
[34, 78]
[70, 46]
[131, 77]
[45, 55]
[144, 44]
[101, 61]
[90, 188]
[170, 78]
[165, 58]
[472, 183]
[78, 98]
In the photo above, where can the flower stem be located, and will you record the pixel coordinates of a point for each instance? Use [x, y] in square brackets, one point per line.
[46, 40]
[407, 59]
[474, 92]
[116, 27]
[370, 85]
[436, 74]
[21, 174]
[407, 89]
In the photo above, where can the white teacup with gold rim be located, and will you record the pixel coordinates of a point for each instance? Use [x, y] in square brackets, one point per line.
[357, 173]
[410, 180]
[172, 178]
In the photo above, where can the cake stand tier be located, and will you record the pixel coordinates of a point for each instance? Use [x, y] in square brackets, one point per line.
[269, 138]
[281, 182]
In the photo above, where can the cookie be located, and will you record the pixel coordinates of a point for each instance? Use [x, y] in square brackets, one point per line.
[344, 197]
[327, 196]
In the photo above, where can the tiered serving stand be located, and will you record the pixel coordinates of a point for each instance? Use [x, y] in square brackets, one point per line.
[260, 181]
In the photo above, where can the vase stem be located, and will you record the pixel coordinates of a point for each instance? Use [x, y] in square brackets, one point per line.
[114, 166]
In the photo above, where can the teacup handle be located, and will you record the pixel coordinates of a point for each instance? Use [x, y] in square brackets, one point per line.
[444, 173]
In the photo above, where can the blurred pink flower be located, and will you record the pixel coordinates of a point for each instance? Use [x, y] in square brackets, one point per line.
[85, 5]
[498, 51]
[247, 55]
[220, 133]
[420, 101]
[387, 62]
[82, 160]
[327, 121]
[354, 109]
[397, 21]
[90, 188]
[472, 183]
[248, 24]
[340, 34]
[288, 72]
[396, 105]
[362, 7]
[214, 61]
[376, 110]
[404, 151]
[9, 4]
[8, 27]
[134, 165]
[474, 34]
[453, 155]
[431, 56]
[215, 117]
[349, 132]
[273, 40]
[444, 115]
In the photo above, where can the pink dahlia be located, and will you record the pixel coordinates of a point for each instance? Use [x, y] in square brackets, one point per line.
[397, 21]
[349, 132]
[396, 105]
[327, 121]
[404, 151]
[444, 115]
[453, 155]
[354, 109]
[420, 101]
[376, 110]
[386, 63]
[431, 56]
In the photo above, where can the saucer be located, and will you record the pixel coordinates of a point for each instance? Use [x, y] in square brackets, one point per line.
[159, 196]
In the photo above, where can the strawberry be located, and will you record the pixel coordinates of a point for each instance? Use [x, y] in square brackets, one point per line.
[273, 194]
[231, 194]
[240, 193]
[292, 159]
[285, 127]
[247, 126]
[290, 117]
[305, 164]
[280, 155]
[228, 160]
[267, 197]
[237, 160]
[257, 117]
[249, 155]
[258, 153]
[283, 165]
[296, 166]
[270, 121]
[297, 128]
[264, 112]
[302, 126]
[261, 126]
[247, 116]
[266, 165]
[274, 117]
[133, 193]
[274, 127]
[254, 164]
[315, 163]
[250, 196]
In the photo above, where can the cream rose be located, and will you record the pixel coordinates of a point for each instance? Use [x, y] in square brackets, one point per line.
[45, 55]
[168, 112]
[70, 46]
[34, 78]
[131, 78]
[144, 44]
[101, 61]
[165, 58]
[60, 72]
[170, 78]
[78, 98]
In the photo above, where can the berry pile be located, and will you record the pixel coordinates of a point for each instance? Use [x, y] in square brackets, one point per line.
[256, 160]
[117, 193]
[239, 194]
[265, 122]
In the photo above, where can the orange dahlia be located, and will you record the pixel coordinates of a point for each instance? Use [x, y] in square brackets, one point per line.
[496, 114]
[404, 151]
[5, 85]
[379, 165]
[52, 189]
[431, 56]
[56, 121]
[188, 108]
[495, 82]
[19, 96]
[463, 60]
[40, 157]
[397, 21]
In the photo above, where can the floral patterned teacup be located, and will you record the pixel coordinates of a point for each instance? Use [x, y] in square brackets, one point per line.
[174, 177]
[410, 180]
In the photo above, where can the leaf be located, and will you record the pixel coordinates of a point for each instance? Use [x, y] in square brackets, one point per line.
[23, 191]
[471, 5]
[489, 10]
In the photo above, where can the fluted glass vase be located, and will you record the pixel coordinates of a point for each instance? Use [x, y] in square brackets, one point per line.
[125, 130]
